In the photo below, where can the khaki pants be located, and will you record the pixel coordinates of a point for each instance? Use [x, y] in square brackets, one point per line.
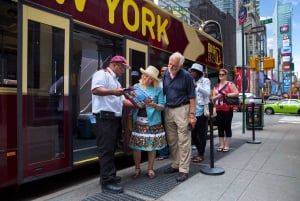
[179, 137]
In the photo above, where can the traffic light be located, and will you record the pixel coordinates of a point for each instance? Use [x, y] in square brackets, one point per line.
[253, 63]
[269, 63]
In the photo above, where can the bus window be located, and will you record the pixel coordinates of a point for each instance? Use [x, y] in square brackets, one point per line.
[8, 47]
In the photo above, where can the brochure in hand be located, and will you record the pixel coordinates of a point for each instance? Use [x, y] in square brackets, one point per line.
[137, 96]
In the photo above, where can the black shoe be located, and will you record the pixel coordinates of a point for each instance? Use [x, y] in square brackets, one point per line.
[117, 179]
[181, 176]
[112, 188]
[171, 170]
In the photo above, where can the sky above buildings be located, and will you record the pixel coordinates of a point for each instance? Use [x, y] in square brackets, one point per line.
[266, 11]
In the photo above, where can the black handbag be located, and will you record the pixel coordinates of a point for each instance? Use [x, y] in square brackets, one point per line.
[232, 100]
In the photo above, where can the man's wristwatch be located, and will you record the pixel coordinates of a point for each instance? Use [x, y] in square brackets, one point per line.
[193, 113]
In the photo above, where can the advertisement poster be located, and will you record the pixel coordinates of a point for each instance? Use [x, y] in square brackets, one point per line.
[239, 79]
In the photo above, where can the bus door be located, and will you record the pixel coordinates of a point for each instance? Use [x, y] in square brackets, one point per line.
[137, 55]
[44, 120]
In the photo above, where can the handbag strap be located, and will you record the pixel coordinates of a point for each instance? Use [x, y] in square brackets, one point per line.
[223, 87]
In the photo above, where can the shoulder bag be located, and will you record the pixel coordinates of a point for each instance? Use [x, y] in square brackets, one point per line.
[230, 100]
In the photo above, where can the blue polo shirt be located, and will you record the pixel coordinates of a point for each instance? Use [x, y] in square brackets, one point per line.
[179, 90]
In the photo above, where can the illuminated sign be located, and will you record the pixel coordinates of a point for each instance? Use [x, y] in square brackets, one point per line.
[286, 51]
[286, 42]
[286, 59]
[286, 66]
[284, 29]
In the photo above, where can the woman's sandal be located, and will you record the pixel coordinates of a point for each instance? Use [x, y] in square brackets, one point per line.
[137, 173]
[226, 149]
[151, 174]
[197, 159]
[160, 158]
[220, 149]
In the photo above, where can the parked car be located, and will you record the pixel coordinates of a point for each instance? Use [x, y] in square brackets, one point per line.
[272, 99]
[289, 106]
[248, 96]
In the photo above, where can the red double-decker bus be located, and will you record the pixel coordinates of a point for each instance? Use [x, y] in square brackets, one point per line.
[49, 51]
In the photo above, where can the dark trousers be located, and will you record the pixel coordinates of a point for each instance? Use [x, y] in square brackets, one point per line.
[199, 134]
[107, 131]
[224, 120]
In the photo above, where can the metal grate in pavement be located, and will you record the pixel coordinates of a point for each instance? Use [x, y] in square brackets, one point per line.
[158, 186]
[110, 197]
[162, 183]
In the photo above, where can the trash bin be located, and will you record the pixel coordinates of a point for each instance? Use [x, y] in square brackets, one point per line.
[255, 109]
[85, 127]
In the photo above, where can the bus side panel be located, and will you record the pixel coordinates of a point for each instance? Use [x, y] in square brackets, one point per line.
[38, 144]
[8, 140]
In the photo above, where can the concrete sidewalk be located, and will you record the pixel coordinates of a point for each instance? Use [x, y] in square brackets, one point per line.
[269, 171]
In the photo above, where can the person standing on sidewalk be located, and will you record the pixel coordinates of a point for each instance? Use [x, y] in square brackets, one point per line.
[107, 105]
[179, 88]
[199, 133]
[224, 111]
[148, 133]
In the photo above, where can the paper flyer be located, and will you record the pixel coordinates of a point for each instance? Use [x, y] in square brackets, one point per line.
[137, 96]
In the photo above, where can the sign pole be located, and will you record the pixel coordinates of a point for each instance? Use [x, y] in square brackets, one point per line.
[242, 19]
[243, 78]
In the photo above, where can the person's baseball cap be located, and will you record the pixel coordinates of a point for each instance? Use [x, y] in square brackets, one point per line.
[121, 60]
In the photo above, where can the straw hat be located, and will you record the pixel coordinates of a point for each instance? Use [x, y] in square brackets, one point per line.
[151, 71]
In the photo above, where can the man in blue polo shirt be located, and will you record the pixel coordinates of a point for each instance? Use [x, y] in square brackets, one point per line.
[179, 88]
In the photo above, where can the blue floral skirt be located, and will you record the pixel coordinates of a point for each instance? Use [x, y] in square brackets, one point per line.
[147, 138]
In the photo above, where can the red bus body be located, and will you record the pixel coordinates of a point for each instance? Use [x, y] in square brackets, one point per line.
[44, 124]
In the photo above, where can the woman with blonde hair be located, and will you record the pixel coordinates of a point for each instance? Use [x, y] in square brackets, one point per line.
[148, 132]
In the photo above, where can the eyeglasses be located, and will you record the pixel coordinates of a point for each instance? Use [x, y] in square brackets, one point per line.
[120, 66]
[221, 74]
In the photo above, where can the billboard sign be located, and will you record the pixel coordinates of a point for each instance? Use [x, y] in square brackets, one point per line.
[284, 29]
[286, 42]
[286, 59]
[286, 66]
[286, 51]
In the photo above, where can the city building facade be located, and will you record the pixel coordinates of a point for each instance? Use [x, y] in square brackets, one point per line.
[284, 79]
[251, 43]
[226, 6]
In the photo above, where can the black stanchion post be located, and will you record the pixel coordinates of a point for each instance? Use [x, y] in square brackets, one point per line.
[212, 170]
[253, 126]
